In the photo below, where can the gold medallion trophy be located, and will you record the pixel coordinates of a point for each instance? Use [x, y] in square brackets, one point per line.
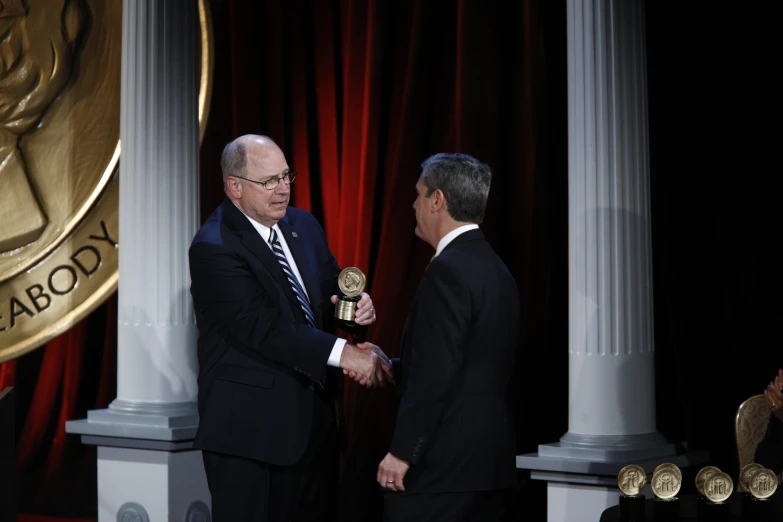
[758, 484]
[631, 481]
[714, 487]
[665, 484]
[351, 282]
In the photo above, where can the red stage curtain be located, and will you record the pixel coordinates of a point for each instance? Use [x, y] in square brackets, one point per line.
[72, 374]
[7, 374]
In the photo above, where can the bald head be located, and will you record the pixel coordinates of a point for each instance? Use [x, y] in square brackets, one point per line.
[247, 163]
[234, 159]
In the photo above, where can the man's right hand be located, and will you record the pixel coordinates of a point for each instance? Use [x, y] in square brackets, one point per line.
[366, 364]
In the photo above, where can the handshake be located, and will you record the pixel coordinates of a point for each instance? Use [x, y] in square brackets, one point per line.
[367, 364]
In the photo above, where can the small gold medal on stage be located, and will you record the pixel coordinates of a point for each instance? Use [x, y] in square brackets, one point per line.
[763, 483]
[666, 482]
[718, 487]
[631, 480]
[746, 473]
[702, 476]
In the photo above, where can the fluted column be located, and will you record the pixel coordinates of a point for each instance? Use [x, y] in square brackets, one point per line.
[147, 469]
[611, 366]
[611, 370]
[159, 134]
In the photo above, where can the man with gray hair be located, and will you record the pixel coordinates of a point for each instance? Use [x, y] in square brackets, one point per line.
[452, 453]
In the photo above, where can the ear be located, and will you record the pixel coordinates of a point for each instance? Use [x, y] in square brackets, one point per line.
[234, 187]
[438, 201]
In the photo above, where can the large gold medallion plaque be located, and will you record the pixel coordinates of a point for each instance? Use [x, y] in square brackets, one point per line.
[59, 153]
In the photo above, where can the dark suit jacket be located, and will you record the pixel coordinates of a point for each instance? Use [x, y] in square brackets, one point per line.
[257, 358]
[453, 424]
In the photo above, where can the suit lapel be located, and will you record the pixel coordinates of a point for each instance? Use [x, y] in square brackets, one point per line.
[305, 265]
[253, 241]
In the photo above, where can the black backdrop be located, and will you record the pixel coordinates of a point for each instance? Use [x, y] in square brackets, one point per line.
[716, 280]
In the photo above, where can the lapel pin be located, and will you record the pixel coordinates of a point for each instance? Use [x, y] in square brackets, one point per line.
[294, 234]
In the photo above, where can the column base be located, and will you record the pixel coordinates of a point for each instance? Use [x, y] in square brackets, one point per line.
[144, 485]
[168, 422]
[608, 448]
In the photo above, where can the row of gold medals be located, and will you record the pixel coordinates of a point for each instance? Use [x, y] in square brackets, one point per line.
[713, 484]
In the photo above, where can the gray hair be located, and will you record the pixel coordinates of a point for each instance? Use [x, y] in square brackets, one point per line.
[464, 181]
[233, 162]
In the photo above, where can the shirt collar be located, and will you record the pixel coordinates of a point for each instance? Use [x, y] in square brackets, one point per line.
[448, 238]
[263, 230]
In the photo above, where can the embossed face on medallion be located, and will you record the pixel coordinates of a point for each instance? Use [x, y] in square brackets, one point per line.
[59, 150]
[59, 121]
[351, 281]
[37, 56]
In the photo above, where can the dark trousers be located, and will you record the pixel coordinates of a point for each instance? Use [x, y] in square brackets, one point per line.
[246, 490]
[469, 506]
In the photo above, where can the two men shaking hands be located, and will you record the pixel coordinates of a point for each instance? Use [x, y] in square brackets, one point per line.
[271, 372]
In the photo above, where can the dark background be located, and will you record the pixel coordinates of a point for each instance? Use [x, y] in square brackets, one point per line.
[358, 93]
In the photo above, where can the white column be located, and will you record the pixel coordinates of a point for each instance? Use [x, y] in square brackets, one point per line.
[145, 466]
[159, 207]
[611, 399]
[611, 350]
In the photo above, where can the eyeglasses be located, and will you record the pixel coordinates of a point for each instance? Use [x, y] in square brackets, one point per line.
[272, 184]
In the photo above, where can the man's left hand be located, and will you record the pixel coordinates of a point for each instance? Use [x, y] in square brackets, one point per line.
[365, 310]
[391, 472]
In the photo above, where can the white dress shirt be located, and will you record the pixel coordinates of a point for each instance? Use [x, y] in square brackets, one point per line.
[265, 232]
[448, 238]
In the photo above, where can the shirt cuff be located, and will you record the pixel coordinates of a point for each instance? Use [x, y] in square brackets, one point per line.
[337, 352]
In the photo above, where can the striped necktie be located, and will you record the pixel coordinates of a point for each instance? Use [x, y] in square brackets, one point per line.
[299, 292]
